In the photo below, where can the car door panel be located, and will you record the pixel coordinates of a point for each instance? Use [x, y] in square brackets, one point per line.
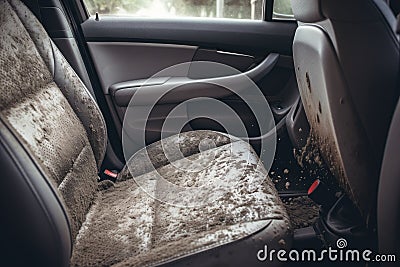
[128, 51]
[241, 36]
[238, 61]
[185, 87]
[123, 61]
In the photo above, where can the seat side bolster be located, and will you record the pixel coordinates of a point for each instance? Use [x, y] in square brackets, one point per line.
[83, 104]
[34, 226]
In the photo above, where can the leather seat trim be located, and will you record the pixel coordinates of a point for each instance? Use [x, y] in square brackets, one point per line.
[20, 154]
[252, 227]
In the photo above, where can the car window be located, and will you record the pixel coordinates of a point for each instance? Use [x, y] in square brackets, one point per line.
[233, 9]
[282, 10]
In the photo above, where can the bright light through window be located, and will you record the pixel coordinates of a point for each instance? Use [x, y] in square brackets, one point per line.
[234, 9]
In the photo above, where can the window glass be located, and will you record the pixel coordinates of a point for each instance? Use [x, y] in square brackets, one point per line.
[233, 9]
[283, 10]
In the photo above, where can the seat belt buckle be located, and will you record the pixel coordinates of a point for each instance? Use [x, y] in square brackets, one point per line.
[108, 175]
[321, 195]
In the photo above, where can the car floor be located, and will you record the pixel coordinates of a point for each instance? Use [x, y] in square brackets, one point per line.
[293, 171]
[285, 172]
[302, 211]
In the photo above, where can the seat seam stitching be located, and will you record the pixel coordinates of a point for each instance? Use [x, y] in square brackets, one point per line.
[73, 166]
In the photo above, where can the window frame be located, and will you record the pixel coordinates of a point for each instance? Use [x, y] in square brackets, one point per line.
[267, 12]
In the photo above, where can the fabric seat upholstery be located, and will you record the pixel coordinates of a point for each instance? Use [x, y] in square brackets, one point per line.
[48, 116]
[160, 229]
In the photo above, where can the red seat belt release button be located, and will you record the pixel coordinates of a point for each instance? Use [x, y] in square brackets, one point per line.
[108, 175]
[322, 195]
[111, 174]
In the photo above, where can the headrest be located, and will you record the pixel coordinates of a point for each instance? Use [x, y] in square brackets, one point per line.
[312, 11]
[307, 10]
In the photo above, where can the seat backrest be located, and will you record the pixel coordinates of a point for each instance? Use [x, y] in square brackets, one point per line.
[346, 59]
[46, 112]
[389, 194]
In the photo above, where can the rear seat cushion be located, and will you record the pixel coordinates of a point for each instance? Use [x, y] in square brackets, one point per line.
[189, 143]
[129, 227]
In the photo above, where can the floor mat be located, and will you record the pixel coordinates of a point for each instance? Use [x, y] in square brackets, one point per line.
[302, 211]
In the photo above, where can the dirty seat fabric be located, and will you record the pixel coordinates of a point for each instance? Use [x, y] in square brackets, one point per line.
[137, 221]
[154, 232]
